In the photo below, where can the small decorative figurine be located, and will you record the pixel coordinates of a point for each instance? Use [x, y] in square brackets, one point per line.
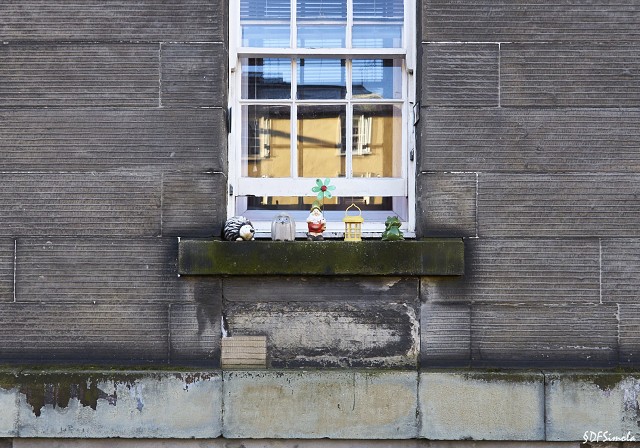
[353, 225]
[392, 229]
[323, 189]
[283, 228]
[238, 228]
[316, 223]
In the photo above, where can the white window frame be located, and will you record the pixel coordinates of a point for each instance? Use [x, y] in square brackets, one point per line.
[404, 186]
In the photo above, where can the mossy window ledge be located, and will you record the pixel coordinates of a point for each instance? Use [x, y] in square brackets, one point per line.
[423, 257]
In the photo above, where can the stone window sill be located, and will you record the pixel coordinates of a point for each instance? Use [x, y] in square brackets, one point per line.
[424, 257]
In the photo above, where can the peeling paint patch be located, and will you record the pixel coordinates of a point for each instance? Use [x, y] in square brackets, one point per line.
[371, 286]
[135, 390]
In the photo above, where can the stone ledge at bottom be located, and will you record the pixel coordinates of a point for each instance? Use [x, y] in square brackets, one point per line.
[103, 404]
[315, 404]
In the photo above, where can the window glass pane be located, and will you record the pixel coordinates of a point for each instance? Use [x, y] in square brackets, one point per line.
[321, 36]
[266, 78]
[321, 79]
[377, 78]
[265, 10]
[367, 203]
[266, 36]
[377, 36]
[379, 10]
[265, 23]
[377, 23]
[321, 9]
[266, 141]
[377, 140]
[321, 135]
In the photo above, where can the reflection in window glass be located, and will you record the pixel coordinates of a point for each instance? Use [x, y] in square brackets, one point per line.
[265, 23]
[266, 78]
[321, 36]
[377, 23]
[368, 203]
[321, 79]
[380, 10]
[377, 78]
[266, 141]
[377, 36]
[377, 139]
[321, 10]
[265, 9]
[321, 137]
[266, 36]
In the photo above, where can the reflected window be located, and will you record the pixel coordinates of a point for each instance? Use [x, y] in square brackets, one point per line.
[266, 78]
[321, 79]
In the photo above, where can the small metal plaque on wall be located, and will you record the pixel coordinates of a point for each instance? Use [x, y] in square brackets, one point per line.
[243, 352]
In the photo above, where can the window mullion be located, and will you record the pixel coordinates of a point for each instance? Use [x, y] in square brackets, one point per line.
[294, 119]
[349, 23]
[293, 30]
[349, 122]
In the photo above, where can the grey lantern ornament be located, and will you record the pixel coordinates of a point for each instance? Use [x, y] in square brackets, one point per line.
[283, 228]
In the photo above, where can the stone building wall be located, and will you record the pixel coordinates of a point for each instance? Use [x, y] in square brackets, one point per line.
[113, 146]
[529, 150]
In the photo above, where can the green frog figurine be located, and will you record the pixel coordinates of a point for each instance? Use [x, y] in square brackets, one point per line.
[392, 229]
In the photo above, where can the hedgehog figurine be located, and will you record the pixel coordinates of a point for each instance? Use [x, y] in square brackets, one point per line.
[238, 228]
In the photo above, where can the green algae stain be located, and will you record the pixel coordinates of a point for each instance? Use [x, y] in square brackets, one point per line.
[58, 390]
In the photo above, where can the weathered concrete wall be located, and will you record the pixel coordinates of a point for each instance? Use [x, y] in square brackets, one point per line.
[320, 404]
[529, 149]
[295, 443]
[112, 144]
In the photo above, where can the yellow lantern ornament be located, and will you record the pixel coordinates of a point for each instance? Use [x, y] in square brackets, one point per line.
[353, 225]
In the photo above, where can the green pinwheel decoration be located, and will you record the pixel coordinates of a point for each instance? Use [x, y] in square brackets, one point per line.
[323, 189]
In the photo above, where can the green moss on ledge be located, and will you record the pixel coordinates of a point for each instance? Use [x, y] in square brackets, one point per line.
[427, 257]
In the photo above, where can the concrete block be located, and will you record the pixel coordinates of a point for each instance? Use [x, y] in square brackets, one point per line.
[333, 404]
[79, 75]
[579, 403]
[537, 21]
[80, 204]
[621, 271]
[103, 139]
[127, 405]
[89, 21]
[193, 75]
[457, 406]
[320, 289]
[523, 270]
[331, 334]
[193, 204]
[569, 75]
[194, 329]
[8, 412]
[7, 260]
[446, 204]
[629, 333]
[558, 205]
[104, 333]
[445, 334]
[97, 270]
[565, 335]
[460, 74]
[529, 139]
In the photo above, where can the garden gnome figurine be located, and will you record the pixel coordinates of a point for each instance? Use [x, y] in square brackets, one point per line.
[316, 223]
